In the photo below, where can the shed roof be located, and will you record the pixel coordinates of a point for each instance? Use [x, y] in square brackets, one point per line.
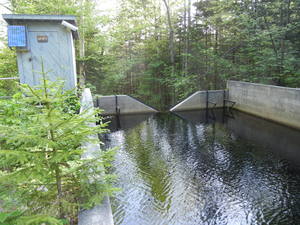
[72, 19]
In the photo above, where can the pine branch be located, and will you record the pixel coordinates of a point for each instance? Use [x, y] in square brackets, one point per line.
[58, 196]
[44, 151]
[65, 121]
[33, 92]
[6, 7]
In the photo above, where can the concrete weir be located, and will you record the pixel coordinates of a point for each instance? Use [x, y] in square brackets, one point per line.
[274, 103]
[278, 104]
[126, 103]
[199, 99]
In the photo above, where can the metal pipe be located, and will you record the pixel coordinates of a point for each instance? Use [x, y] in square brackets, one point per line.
[9, 78]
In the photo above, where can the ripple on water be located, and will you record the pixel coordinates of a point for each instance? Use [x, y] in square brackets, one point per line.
[184, 173]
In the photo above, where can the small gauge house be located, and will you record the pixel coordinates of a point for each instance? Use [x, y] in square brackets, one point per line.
[48, 36]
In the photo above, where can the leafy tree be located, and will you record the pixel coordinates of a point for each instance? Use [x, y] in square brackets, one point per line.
[128, 51]
[258, 47]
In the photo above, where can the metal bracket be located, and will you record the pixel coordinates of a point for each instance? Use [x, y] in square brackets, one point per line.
[118, 111]
[230, 107]
[207, 101]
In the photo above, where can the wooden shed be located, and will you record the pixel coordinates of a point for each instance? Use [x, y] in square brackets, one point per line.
[49, 36]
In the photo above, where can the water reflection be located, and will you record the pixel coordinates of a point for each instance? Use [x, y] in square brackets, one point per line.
[126, 122]
[198, 171]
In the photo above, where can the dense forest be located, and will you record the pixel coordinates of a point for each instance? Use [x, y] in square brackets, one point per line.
[162, 50]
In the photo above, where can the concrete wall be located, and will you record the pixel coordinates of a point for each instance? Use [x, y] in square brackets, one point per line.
[278, 104]
[198, 101]
[127, 104]
[100, 214]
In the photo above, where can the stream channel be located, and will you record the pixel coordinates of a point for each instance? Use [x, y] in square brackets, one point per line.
[192, 168]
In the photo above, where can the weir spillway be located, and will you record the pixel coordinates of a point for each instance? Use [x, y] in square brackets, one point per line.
[274, 103]
[278, 104]
[122, 105]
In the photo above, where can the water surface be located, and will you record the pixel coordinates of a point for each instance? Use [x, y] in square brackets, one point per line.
[191, 169]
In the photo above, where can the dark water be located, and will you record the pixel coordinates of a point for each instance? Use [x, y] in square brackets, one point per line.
[190, 169]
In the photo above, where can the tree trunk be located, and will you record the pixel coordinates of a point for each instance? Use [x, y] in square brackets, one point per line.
[184, 39]
[284, 35]
[82, 78]
[206, 59]
[130, 70]
[274, 48]
[82, 63]
[283, 40]
[172, 54]
[216, 53]
[188, 37]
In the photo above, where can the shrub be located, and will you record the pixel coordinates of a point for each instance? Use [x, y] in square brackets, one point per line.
[42, 172]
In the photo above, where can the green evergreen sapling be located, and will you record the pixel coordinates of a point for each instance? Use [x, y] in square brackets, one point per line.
[40, 155]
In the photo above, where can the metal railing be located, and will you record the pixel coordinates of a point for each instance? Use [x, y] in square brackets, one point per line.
[210, 103]
[230, 107]
[230, 102]
[9, 84]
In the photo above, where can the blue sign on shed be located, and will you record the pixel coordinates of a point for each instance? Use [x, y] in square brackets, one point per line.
[16, 36]
[48, 36]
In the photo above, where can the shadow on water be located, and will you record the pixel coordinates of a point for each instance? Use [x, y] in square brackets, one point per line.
[281, 140]
[126, 122]
[192, 169]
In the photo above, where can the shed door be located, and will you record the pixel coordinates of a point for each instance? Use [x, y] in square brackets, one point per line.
[45, 44]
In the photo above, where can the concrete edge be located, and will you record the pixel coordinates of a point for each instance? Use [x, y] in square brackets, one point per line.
[180, 103]
[257, 84]
[100, 214]
[195, 109]
[125, 114]
[176, 107]
[154, 109]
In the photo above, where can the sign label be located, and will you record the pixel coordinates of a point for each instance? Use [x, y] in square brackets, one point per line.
[42, 38]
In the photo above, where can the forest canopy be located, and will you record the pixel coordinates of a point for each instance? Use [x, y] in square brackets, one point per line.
[157, 50]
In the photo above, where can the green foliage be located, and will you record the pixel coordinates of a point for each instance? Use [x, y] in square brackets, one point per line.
[8, 62]
[128, 51]
[6, 218]
[8, 68]
[40, 155]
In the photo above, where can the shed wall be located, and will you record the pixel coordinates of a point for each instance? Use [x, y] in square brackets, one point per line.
[58, 54]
